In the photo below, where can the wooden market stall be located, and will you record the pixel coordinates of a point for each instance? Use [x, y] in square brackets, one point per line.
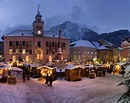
[86, 70]
[44, 70]
[119, 66]
[4, 68]
[72, 72]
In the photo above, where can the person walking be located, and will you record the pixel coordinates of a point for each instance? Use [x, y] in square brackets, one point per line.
[23, 74]
[103, 72]
[47, 79]
[50, 79]
[28, 72]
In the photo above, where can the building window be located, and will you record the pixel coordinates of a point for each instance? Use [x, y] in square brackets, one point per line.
[10, 43]
[30, 43]
[78, 51]
[17, 43]
[88, 52]
[74, 51]
[46, 51]
[53, 51]
[23, 51]
[84, 51]
[63, 44]
[17, 50]
[23, 43]
[39, 44]
[52, 43]
[63, 51]
[10, 51]
[46, 43]
[30, 51]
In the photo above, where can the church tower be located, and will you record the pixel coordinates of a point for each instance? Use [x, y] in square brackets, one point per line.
[38, 24]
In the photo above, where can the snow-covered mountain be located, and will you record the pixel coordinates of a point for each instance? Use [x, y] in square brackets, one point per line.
[74, 31]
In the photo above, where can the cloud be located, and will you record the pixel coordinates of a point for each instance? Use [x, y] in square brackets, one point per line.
[9, 29]
[52, 21]
[76, 15]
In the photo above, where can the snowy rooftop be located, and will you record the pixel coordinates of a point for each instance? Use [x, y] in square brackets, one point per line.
[83, 43]
[30, 33]
[96, 44]
[102, 47]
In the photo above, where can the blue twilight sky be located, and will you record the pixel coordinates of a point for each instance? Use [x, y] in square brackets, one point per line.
[99, 15]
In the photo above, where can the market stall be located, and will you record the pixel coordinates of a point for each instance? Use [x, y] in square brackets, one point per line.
[44, 70]
[118, 67]
[4, 68]
[86, 70]
[72, 72]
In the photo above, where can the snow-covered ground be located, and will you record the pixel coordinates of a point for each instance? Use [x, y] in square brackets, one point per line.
[98, 90]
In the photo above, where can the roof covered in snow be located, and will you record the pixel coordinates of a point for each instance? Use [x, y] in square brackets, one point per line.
[23, 33]
[102, 47]
[71, 66]
[83, 43]
[122, 63]
[41, 67]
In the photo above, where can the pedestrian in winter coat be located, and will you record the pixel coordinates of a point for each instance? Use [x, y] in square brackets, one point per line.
[23, 74]
[103, 72]
[47, 79]
[50, 79]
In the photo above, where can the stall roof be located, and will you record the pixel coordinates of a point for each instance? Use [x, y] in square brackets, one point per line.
[58, 70]
[4, 66]
[121, 63]
[71, 66]
[45, 67]
[88, 65]
[127, 70]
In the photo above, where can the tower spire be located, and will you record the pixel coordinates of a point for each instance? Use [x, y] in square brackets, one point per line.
[38, 6]
[38, 12]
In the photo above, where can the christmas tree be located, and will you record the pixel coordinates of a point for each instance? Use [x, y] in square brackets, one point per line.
[125, 98]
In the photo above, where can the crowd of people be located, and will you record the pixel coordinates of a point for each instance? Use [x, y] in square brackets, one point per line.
[26, 73]
[49, 80]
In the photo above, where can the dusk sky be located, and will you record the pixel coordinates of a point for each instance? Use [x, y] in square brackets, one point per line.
[98, 15]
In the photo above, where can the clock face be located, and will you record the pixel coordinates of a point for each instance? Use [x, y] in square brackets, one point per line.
[39, 32]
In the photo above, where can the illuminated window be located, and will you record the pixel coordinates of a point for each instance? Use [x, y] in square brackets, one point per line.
[27, 58]
[91, 52]
[88, 52]
[63, 51]
[30, 43]
[74, 51]
[23, 51]
[17, 50]
[10, 51]
[84, 51]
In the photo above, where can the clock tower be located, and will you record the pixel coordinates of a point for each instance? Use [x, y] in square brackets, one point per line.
[38, 24]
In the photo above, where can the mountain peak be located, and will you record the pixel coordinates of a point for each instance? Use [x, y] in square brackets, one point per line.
[74, 31]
